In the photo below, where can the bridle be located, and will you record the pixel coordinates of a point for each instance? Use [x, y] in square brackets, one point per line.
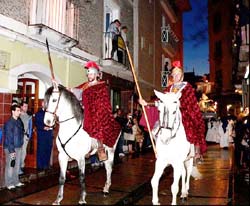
[54, 113]
[165, 123]
[63, 145]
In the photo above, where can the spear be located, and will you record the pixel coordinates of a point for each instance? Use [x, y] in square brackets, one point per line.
[140, 96]
[50, 62]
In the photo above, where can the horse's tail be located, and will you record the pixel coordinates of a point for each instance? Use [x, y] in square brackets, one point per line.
[195, 173]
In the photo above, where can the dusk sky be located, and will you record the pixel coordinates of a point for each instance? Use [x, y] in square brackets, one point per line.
[196, 38]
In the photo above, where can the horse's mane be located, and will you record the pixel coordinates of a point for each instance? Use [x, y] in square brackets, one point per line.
[70, 98]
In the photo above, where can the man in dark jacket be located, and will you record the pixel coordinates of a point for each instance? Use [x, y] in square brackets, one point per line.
[13, 141]
[44, 140]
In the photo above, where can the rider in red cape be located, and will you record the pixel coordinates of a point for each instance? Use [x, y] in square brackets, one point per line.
[99, 121]
[191, 116]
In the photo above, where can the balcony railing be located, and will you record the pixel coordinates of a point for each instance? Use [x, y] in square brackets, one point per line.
[60, 16]
[169, 39]
[115, 49]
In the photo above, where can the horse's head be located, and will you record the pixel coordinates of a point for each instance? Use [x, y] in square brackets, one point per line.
[51, 102]
[168, 107]
[61, 103]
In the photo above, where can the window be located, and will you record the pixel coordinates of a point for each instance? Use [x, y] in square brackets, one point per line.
[60, 15]
[218, 77]
[217, 22]
[217, 50]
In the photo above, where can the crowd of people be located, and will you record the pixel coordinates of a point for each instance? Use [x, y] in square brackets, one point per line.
[17, 132]
[232, 130]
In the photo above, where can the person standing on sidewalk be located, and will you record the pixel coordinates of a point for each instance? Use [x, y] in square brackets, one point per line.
[13, 141]
[44, 140]
[27, 124]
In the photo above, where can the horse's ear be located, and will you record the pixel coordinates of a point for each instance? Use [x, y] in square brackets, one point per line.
[158, 94]
[55, 84]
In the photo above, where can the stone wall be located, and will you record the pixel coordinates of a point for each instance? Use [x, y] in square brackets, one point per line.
[90, 27]
[15, 9]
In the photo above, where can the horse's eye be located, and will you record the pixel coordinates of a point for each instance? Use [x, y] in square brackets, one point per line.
[54, 100]
[174, 112]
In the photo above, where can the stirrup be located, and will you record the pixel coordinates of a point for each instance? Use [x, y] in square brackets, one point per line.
[102, 155]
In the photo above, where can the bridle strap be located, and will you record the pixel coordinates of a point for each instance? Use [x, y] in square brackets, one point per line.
[63, 145]
[65, 120]
[54, 113]
[170, 128]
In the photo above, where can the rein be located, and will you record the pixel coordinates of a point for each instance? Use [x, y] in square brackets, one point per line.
[63, 145]
[162, 126]
[65, 120]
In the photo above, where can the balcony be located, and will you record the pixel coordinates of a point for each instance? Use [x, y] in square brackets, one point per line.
[55, 20]
[118, 63]
[169, 40]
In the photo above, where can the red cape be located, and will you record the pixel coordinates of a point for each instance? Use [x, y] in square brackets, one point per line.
[191, 117]
[99, 121]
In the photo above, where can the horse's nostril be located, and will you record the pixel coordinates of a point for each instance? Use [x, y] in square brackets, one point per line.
[48, 122]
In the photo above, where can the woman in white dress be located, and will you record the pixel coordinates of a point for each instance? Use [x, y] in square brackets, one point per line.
[224, 134]
[216, 131]
[210, 131]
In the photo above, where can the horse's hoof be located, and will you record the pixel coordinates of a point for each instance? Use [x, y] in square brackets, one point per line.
[56, 203]
[156, 203]
[81, 202]
[105, 194]
[183, 199]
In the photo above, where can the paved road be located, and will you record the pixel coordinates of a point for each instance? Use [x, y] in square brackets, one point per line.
[131, 184]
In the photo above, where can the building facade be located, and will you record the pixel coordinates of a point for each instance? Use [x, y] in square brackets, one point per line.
[241, 50]
[222, 63]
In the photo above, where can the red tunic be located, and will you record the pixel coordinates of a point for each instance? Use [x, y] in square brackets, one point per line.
[191, 117]
[99, 121]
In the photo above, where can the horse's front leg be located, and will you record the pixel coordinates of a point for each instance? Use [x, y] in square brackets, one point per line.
[159, 168]
[175, 186]
[189, 167]
[81, 166]
[183, 183]
[63, 162]
[109, 167]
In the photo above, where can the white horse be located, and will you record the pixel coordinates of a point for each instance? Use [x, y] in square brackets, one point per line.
[172, 147]
[72, 141]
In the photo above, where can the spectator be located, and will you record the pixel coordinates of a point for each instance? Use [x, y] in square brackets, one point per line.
[44, 140]
[122, 121]
[27, 124]
[112, 35]
[13, 141]
[137, 132]
[122, 43]
[128, 134]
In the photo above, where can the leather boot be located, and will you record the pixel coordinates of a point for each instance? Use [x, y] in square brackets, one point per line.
[102, 155]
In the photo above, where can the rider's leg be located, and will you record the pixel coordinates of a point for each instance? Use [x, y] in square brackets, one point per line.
[102, 155]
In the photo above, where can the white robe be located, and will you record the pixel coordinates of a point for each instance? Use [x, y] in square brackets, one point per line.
[224, 136]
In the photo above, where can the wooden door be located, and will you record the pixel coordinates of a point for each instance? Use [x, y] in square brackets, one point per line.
[28, 90]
